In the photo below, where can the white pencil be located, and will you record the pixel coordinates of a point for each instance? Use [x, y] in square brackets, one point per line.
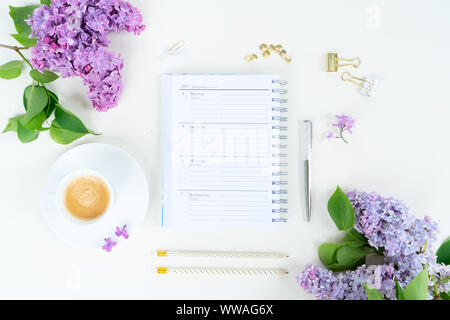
[221, 271]
[221, 254]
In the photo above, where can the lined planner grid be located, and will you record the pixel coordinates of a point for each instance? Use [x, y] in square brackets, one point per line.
[219, 150]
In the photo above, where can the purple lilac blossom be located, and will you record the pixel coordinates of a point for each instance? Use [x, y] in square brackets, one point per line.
[343, 124]
[109, 245]
[122, 232]
[325, 284]
[406, 241]
[73, 36]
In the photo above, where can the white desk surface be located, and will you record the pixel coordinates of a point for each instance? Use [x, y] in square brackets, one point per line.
[399, 148]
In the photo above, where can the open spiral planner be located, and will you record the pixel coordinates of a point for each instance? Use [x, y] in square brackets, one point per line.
[224, 150]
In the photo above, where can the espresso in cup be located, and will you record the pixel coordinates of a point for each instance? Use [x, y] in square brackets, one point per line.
[87, 197]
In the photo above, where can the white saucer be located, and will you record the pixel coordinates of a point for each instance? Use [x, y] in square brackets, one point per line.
[127, 180]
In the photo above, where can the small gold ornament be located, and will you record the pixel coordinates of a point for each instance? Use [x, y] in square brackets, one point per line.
[266, 51]
[251, 57]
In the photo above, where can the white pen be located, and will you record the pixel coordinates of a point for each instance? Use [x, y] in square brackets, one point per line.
[307, 151]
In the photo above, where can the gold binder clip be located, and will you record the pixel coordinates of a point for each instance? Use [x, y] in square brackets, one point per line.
[366, 84]
[333, 62]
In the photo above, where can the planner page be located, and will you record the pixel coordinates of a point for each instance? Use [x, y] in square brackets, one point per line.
[218, 149]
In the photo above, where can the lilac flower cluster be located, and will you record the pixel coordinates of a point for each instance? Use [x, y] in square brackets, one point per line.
[73, 36]
[343, 124]
[406, 241]
[349, 285]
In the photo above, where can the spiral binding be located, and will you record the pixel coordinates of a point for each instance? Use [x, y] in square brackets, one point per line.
[280, 220]
[279, 109]
[279, 143]
[281, 91]
[280, 82]
[279, 100]
[280, 164]
[280, 201]
[280, 118]
[221, 271]
[279, 155]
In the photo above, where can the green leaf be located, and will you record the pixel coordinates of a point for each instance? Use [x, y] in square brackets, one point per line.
[11, 70]
[52, 103]
[45, 77]
[400, 293]
[443, 253]
[327, 253]
[354, 239]
[445, 296]
[66, 128]
[11, 126]
[351, 257]
[19, 15]
[353, 244]
[417, 289]
[69, 121]
[26, 135]
[33, 124]
[63, 136]
[24, 40]
[373, 294]
[35, 99]
[36, 122]
[353, 235]
[47, 2]
[336, 267]
[341, 210]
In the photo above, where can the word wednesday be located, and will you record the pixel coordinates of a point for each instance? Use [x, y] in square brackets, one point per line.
[226, 309]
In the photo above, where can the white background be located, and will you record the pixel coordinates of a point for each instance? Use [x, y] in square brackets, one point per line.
[399, 148]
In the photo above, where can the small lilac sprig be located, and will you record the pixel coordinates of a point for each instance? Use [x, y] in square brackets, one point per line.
[122, 232]
[344, 124]
[111, 243]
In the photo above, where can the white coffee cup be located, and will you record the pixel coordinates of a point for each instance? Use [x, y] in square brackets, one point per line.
[59, 195]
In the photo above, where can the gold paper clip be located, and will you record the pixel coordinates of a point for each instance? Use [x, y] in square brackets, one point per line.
[173, 50]
[366, 84]
[333, 62]
[176, 47]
